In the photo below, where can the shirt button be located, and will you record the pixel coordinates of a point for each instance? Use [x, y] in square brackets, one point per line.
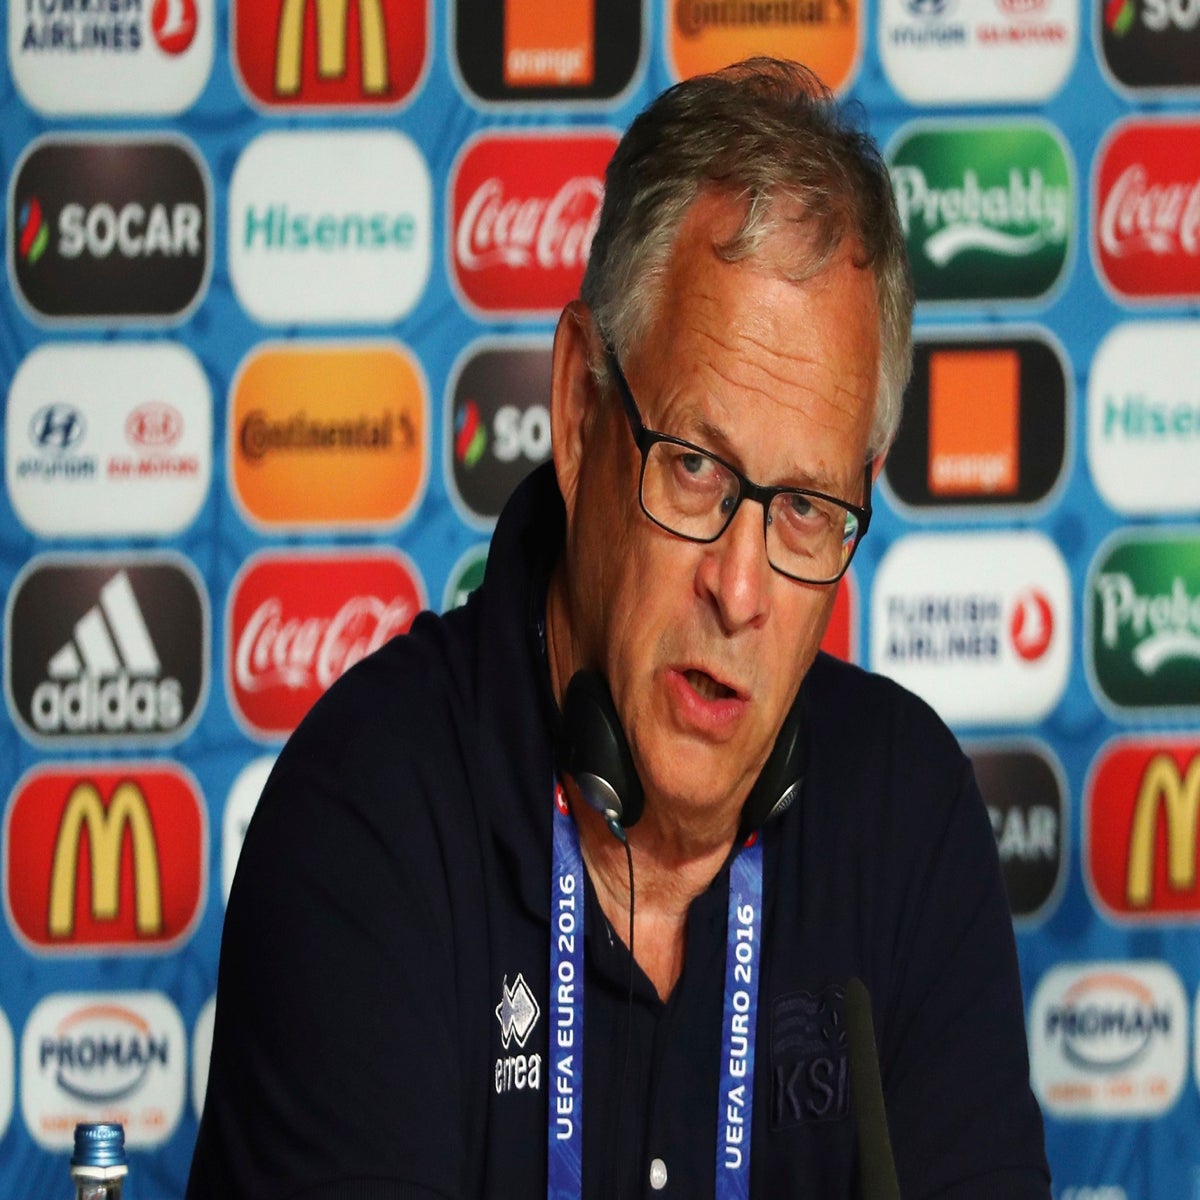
[658, 1174]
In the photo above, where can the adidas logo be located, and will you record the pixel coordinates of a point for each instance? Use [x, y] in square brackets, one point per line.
[107, 678]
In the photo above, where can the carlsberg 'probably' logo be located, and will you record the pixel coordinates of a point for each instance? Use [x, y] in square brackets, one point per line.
[987, 210]
[1144, 610]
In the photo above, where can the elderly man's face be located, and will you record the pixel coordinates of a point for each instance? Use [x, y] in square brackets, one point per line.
[704, 646]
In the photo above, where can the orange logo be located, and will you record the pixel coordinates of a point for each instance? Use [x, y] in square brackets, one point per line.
[824, 34]
[549, 43]
[974, 422]
[330, 435]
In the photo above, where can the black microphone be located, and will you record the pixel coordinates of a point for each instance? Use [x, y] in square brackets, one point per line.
[877, 1168]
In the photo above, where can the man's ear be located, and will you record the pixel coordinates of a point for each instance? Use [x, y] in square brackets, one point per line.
[572, 395]
[877, 465]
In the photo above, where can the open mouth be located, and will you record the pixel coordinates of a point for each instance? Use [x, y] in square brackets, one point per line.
[708, 687]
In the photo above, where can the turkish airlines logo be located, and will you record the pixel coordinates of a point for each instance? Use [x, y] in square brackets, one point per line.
[979, 625]
[1146, 210]
[109, 650]
[1142, 817]
[116, 59]
[103, 1056]
[298, 621]
[317, 54]
[101, 859]
[111, 228]
[523, 214]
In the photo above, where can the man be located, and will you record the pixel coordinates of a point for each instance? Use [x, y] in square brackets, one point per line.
[426, 987]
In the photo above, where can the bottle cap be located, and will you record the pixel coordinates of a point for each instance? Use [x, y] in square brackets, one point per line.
[99, 1146]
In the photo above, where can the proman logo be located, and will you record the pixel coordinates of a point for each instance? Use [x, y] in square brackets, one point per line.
[500, 423]
[1143, 630]
[329, 434]
[331, 53]
[106, 650]
[104, 860]
[110, 228]
[1142, 832]
[987, 209]
[86, 1056]
[824, 34]
[111, 59]
[985, 423]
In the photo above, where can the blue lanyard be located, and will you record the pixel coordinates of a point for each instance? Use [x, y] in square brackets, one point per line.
[735, 1099]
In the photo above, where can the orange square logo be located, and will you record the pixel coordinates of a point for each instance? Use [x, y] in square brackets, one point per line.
[974, 422]
[549, 43]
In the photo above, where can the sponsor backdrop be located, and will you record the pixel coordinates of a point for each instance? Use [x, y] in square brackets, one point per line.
[275, 346]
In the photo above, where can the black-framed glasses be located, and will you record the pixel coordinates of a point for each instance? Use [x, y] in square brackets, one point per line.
[694, 494]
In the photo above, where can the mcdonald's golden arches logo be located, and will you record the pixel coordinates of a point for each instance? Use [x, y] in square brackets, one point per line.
[1142, 821]
[104, 859]
[331, 53]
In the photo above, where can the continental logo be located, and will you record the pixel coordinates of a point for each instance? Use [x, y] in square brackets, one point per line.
[1142, 808]
[703, 35]
[331, 435]
[331, 53]
[986, 209]
[1143, 638]
[104, 860]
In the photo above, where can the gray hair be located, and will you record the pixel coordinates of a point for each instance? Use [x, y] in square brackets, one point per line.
[771, 133]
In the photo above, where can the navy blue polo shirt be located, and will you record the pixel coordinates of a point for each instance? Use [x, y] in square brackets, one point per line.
[383, 1023]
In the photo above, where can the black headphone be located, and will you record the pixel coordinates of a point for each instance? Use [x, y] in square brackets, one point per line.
[595, 753]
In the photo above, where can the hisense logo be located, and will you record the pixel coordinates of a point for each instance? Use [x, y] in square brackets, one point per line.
[1013, 219]
[1165, 626]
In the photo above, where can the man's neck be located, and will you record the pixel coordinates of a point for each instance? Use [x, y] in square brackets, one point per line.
[675, 855]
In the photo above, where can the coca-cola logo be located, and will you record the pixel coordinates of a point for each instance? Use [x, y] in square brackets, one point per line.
[299, 622]
[154, 425]
[524, 211]
[1146, 210]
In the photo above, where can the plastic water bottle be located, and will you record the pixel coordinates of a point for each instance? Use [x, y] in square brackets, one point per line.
[99, 1164]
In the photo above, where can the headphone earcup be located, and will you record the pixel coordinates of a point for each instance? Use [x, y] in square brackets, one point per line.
[594, 751]
[782, 777]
